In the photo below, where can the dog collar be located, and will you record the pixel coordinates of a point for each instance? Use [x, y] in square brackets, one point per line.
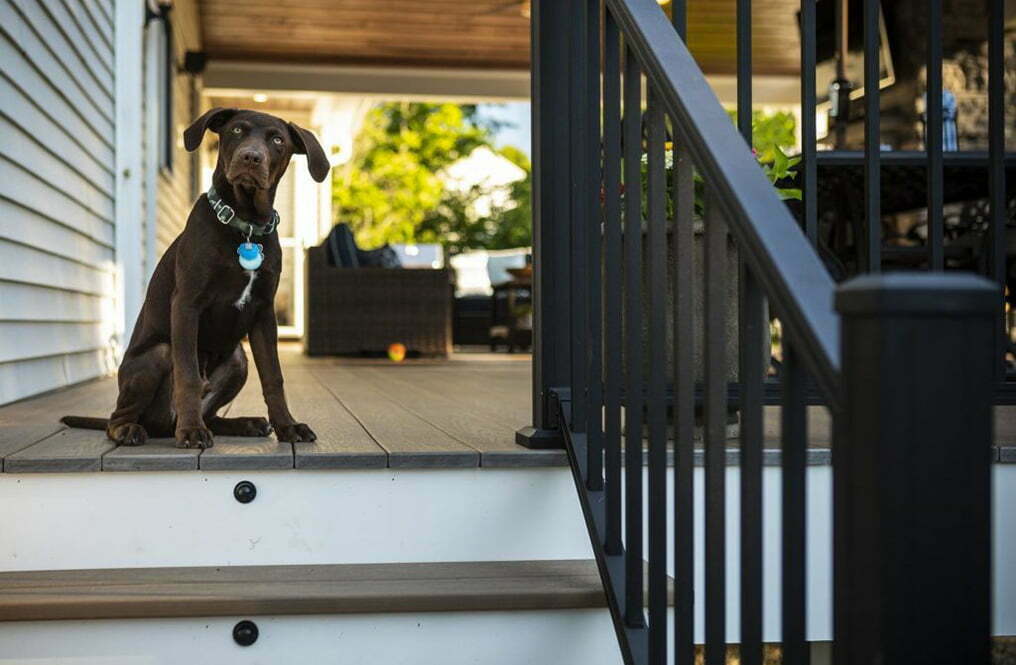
[227, 215]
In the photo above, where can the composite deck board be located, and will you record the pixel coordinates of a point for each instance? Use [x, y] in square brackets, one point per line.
[18, 437]
[244, 453]
[155, 455]
[495, 388]
[470, 390]
[410, 441]
[67, 450]
[236, 453]
[320, 589]
[93, 398]
[494, 439]
[342, 442]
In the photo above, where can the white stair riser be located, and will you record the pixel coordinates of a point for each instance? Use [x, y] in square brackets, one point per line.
[579, 637]
[113, 520]
[106, 520]
[819, 557]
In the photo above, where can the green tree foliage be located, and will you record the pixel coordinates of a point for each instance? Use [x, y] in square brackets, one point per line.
[455, 223]
[391, 190]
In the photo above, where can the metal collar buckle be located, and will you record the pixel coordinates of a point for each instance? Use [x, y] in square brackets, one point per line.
[223, 212]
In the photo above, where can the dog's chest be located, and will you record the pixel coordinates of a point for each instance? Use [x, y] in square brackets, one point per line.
[239, 297]
[244, 299]
[242, 291]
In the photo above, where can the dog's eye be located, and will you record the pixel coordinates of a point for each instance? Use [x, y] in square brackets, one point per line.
[237, 130]
[277, 140]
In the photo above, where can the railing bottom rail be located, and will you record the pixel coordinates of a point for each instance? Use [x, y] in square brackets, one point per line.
[633, 639]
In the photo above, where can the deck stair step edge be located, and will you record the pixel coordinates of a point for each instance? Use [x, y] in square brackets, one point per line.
[134, 593]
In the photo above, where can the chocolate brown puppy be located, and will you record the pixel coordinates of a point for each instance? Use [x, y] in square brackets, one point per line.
[214, 286]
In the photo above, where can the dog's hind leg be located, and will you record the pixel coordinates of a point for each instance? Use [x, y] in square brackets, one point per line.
[225, 383]
[139, 379]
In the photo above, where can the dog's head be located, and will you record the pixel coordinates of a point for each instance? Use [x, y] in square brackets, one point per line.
[255, 148]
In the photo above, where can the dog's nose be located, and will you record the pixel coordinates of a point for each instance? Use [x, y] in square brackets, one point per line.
[251, 157]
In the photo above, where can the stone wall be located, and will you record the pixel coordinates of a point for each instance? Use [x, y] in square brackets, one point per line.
[964, 73]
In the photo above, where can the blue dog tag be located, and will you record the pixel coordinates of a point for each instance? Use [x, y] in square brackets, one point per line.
[251, 255]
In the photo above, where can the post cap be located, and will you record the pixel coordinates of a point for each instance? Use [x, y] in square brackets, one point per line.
[919, 293]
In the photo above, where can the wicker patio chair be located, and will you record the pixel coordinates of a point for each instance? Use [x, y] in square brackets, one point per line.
[365, 310]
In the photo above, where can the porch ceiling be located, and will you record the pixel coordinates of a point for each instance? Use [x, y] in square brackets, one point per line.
[478, 34]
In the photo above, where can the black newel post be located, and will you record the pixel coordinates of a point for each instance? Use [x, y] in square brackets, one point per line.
[912, 470]
[552, 162]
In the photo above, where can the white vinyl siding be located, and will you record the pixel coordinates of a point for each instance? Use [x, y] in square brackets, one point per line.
[57, 281]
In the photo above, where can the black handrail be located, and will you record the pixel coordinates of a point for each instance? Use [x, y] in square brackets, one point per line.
[791, 273]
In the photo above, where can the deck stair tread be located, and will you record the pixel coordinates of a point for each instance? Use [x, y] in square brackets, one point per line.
[16, 437]
[155, 455]
[67, 450]
[299, 589]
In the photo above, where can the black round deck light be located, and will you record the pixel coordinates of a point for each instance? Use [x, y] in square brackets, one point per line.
[245, 633]
[245, 491]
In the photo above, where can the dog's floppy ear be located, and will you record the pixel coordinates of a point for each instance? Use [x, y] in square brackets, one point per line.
[213, 120]
[307, 144]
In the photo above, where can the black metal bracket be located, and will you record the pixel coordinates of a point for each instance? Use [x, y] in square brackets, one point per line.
[536, 438]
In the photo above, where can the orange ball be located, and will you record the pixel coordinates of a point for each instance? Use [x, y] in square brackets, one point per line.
[397, 352]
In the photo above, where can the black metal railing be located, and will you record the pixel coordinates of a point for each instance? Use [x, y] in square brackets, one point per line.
[644, 281]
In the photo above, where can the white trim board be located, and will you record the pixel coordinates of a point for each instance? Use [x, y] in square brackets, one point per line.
[129, 172]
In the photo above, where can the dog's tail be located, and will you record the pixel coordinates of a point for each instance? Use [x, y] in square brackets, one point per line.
[85, 422]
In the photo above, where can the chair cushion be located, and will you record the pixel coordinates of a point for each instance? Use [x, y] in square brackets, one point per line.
[342, 250]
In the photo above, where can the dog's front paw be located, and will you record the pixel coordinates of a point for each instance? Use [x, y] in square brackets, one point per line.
[193, 437]
[129, 434]
[256, 426]
[295, 433]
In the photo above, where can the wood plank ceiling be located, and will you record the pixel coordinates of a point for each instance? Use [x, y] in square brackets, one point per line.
[467, 34]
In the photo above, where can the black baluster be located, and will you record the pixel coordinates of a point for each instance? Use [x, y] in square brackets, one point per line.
[808, 168]
[794, 500]
[632, 146]
[580, 212]
[996, 166]
[871, 254]
[684, 383]
[594, 312]
[684, 403]
[754, 352]
[612, 278]
[715, 329]
[657, 387]
[933, 135]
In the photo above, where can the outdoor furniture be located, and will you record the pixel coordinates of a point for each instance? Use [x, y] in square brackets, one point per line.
[903, 188]
[365, 310]
[471, 320]
[511, 311]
